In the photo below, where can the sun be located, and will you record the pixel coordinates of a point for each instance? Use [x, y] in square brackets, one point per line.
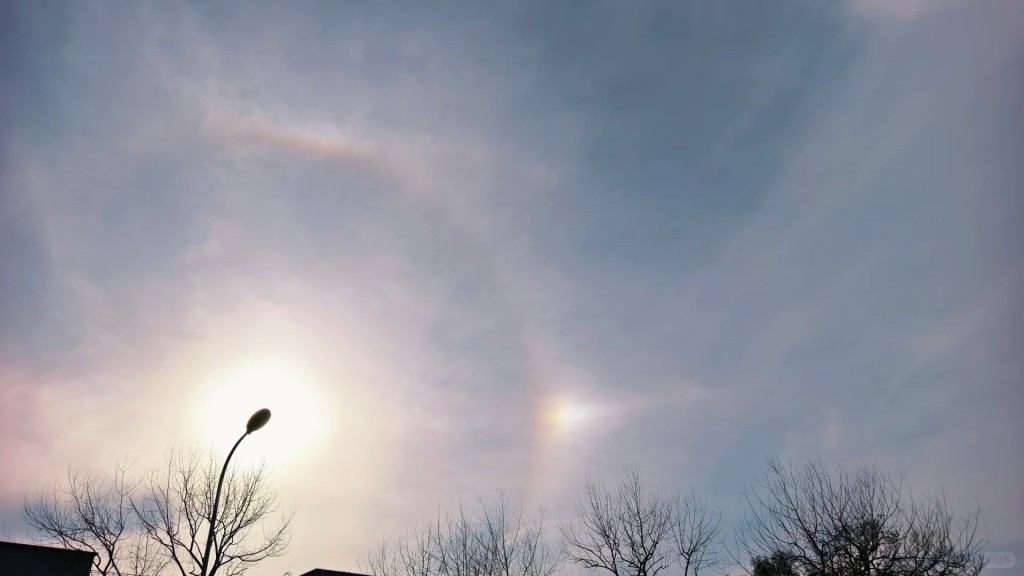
[227, 397]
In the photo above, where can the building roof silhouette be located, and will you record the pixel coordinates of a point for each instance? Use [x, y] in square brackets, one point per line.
[33, 560]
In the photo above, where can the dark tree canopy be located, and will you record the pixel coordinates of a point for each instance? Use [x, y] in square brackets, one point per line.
[778, 564]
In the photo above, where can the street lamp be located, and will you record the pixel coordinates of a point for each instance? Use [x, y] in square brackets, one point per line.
[258, 420]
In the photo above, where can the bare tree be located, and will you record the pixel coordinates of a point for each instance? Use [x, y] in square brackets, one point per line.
[696, 533]
[496, 541]
[514, 546]
[155, 524]
[625, 532]
[94, 513]
[175, 510]
[822, 521]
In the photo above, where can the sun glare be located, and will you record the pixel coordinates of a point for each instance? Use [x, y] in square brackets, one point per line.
[228, 397]
[562, 415]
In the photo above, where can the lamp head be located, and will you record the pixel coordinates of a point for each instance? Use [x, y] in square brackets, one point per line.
[258, 420]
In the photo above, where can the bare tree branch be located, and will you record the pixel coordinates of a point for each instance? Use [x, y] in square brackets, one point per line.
[176, 505]
[821, 521]
[696, 535]
[157, 523]
[634, 531]
[496, 541]
[94, 513]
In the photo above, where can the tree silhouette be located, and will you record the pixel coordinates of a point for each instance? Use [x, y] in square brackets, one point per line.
[156, 523]
[495, 541]
[635, 531]
[819, 521]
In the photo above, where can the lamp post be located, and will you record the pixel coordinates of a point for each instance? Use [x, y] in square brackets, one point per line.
[258, 420]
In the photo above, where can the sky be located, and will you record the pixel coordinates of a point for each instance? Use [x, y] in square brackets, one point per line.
[459, 248]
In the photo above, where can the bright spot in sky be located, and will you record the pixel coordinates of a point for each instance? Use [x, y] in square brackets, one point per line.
[228, 397]
[563, 414]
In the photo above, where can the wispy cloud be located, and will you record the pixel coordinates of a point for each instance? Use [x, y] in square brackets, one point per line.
[508, 249]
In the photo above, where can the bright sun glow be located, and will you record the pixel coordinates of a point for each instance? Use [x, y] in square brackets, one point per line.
[562, 414]
[228, 397]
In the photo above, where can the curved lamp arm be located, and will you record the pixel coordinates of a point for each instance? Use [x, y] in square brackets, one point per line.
[258, 420]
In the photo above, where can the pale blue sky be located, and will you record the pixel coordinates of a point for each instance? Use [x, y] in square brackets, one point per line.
[714, 232]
